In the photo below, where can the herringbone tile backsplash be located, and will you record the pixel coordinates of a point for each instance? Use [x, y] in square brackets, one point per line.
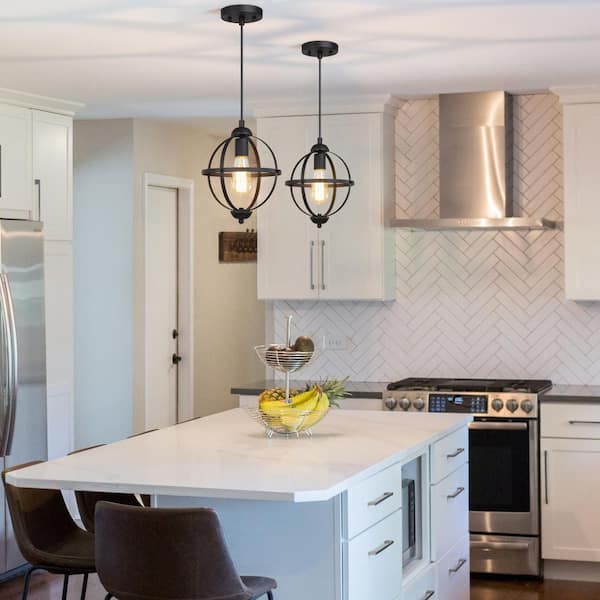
[468, 304]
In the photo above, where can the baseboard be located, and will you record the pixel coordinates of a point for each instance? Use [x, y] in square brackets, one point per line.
[572, 570]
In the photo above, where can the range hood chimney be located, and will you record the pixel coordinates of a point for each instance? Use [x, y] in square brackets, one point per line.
[476, 145]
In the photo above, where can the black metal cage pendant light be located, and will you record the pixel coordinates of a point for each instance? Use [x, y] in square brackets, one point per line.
[324, 191]
[235, 172]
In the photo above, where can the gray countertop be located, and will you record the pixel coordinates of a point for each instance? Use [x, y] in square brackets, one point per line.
[572, 393]
[358, 389]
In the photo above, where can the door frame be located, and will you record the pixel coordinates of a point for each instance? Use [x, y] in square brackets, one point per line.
[185, 278]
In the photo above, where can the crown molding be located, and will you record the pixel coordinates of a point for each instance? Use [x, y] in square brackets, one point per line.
[577, 94]
[332, 105]
[54, 105]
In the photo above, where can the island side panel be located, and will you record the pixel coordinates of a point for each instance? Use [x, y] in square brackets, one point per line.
[298, 544]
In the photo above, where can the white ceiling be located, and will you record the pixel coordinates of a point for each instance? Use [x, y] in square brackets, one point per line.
[176, 57]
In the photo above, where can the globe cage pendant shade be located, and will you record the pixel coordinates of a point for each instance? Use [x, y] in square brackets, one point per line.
[320, 182]
[235, 171]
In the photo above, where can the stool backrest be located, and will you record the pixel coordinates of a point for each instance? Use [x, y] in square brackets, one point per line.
[40, 517]
[164, 553]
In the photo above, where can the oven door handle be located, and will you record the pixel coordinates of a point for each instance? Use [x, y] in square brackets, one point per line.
[500, 545]
[495, 425]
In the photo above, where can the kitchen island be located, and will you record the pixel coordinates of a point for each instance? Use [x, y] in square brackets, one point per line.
[322, 515]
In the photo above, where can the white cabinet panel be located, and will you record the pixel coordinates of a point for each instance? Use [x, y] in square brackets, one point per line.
[448, 454]
[570, 420]
[453, 581]
[52, 171]
[287, 240]
[570, 499]
[422, 587]
[16, 183]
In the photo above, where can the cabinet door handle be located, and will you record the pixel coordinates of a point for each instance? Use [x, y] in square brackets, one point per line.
[322, 264]
[455, 454]
[546, 476]
[38, 184]
[584, 422]
[461, 563]
[458, 492]
[312, 261]
[429, 594]
[385, 496]
[381, 548]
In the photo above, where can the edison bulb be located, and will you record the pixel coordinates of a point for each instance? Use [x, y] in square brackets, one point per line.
[318, 190]
[241, 182]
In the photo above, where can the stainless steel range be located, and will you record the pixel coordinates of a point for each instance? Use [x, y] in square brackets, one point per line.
[503, 462]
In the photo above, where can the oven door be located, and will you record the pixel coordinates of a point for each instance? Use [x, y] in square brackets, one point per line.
[503, 477]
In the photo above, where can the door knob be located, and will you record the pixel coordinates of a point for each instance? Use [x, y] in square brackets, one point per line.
[176, 359]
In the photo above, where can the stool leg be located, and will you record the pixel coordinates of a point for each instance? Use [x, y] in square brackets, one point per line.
[108, 596]
[65, 587]
[26, 583]
[84, 586]
[270, 595]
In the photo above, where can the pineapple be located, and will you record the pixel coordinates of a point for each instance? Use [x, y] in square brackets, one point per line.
[275, 394]
[335, 389]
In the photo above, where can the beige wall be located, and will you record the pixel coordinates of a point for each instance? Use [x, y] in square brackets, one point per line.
[229, 320]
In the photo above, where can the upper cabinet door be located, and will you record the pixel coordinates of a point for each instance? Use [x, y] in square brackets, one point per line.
[16, 184]
[354, 258]
[287, 240]
[52, 168]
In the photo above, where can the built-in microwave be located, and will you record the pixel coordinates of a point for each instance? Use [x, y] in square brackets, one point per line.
[409, 521]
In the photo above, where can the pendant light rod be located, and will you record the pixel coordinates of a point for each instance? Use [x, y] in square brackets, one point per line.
[241, 71]
[320, 77]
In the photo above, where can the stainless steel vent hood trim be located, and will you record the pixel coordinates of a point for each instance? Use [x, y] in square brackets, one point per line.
[476, 147]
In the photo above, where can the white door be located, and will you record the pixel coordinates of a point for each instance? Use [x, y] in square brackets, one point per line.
[570, 499]
[161, 306]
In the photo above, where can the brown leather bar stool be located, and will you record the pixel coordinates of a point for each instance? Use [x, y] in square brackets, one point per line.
[165, 553]
[86, 501]
[47, 536]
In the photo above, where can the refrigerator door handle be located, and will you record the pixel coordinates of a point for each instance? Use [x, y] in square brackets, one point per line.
[12, 353]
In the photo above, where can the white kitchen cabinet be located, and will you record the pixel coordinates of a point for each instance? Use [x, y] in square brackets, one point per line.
[570, 499]
[16, 183]
[352, 256]
[581, 132]
[53, 172]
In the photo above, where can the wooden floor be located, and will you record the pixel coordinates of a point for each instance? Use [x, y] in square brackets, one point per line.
[49, 587]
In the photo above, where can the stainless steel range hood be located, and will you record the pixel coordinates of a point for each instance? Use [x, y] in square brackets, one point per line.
[476, 184]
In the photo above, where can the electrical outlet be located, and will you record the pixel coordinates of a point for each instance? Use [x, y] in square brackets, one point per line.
[335, 342]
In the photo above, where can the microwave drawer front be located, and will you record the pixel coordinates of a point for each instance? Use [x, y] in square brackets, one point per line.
[373, 499]
[375, 561]
[449, 453]
[572, 420]
[452, 572]
[449, 511]
[422, 587]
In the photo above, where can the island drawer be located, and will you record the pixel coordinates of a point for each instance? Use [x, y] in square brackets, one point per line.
[572, 420]
[372, 500]
[448, 454]
[452, 572]
[422, 587]
[449, 511]
[375, 561]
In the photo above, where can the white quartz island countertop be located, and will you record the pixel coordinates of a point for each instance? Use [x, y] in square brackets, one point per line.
[227, 455]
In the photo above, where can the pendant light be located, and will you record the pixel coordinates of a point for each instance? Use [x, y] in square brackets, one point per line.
[322, 193]
[235, 173]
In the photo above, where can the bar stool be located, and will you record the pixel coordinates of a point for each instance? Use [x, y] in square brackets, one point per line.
[165, 553]
[86, 501]
[47, 536]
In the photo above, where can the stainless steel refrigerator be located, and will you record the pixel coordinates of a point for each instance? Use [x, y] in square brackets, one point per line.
[23, 429]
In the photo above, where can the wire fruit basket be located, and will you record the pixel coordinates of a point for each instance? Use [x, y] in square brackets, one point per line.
[287, 421]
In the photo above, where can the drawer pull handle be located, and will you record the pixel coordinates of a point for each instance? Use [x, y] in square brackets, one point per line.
[455, 454]
[458, 492]
[429, 594]
[461, 563]
[385, 496]
[381, 548]
[584, 422]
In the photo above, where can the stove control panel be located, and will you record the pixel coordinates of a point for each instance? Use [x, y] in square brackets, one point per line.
[491, 404]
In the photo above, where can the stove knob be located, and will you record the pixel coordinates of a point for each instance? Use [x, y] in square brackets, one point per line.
[497, 404]
[527, 406]
[391, 403]
[419, 403]
[404, 403]
[512, 405]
